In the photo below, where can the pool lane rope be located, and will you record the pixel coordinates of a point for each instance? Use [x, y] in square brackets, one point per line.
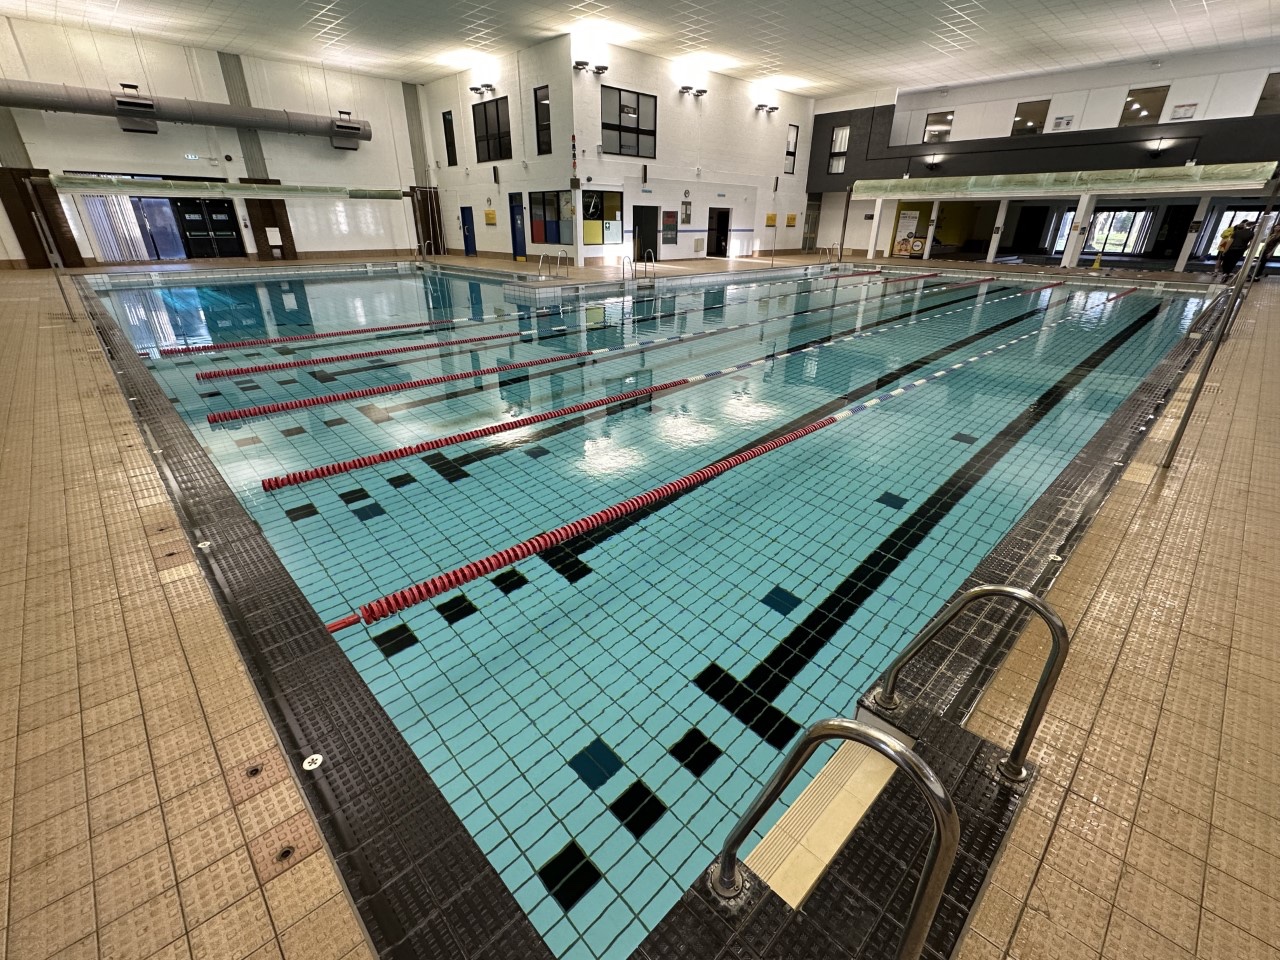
[401, 600]
[428, 324]
[270, 484]
[415, 348]
[301, 403]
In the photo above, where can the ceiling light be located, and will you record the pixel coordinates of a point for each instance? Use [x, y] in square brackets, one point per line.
[1031, 123]
[785, 82]
[951, 116]
[1143, 113]
[581, 64]
[1136, 106]
[1016, 119]
[704, 60]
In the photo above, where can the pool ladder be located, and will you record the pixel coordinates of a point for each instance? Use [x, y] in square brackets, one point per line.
[649, 271]
[562, 256]
[725, 877]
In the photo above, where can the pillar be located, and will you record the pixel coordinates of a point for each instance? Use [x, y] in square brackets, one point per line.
[1079, 230]
[875, 228]
[933, 226]
[1197, 223]
[994, 245]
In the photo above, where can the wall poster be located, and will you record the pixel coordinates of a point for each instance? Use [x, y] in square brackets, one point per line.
[669, 228]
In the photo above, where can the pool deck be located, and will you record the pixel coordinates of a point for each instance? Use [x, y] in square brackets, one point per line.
[130, 825]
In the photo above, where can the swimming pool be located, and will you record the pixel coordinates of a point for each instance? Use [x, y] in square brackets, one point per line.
[600, 716]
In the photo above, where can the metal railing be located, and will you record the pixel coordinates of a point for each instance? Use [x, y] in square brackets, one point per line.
[1014, 766]
[650, 265]
[562, 255]
[625, 261]
[725, 877]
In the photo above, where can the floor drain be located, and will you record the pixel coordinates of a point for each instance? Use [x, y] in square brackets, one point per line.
[253, 771]
[284, 854]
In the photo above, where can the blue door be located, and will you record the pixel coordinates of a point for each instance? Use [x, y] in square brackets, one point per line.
[517, 226]
[468, 232]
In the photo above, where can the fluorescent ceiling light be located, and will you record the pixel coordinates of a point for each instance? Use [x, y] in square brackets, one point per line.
[465, 58]
[783, 81]
[705, 60]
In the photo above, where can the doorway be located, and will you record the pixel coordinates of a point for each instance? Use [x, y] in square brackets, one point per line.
[516, 204]
[718, 231]
[644, 232]
[468, 220]
[812, 216]
[208, 228]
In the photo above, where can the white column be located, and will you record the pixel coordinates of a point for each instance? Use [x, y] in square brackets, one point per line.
[1079, 230]
[893, 226]
[1197, 222]
[875, 228]
[933, 226]
[994, 246]
[577, 228]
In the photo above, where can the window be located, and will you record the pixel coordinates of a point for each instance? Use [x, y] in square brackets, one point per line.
[493, 130]
[937, 127]
[450, 146]
[628, 123]
[601, 217]
[839, 148]
[1269, 102]
[542, 119]
[1030, 118]
[551, 216]
[1143, 105]
[1119, 231]
[793, 138]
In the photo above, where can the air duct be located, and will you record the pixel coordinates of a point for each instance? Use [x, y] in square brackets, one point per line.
[138, 114]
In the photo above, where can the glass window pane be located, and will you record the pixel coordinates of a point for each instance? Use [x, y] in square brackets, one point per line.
[608, 105]
[503, 116]
[544, 140]
[648, 146]
[789, 166]
[840, 140]
[836, 165]
[937, 127]
[504, 147]
[1143, 106]
[630, 144]
[793, 137]
[1030, 118]
[648, 112]
[609, 140]
[613, 206]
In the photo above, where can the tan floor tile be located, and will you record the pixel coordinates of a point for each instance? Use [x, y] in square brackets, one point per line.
[48, 767]
[1079, 860]
[1102, 828]
[1071, 906]
[1244, 821]
[234, 933]
[49, 837]
[1246, 907]
[1159, 907]
[996, 916]
[112, 739]
[281, 847]
[114, 848]
[1220, 940]
[327, 933]
[1107, 791]
[1130, 939]
[1170, 823]
[143, 878]
[206, 843]
[86, 949]
[201, 803]
[271, 807]
[118, 769]
[57, 926]
[217, 887]
[188, 772]
[1039, 938]
[1172, 866]
[1244, 861]
[49, 881]
[177, 950]
[144, 930]
[123, 803]
[44, 802]
[301, 889]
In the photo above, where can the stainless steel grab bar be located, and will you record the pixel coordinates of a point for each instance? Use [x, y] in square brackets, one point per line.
[1014, 766]
[725, 877]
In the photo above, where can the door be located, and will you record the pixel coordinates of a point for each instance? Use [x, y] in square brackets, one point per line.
[718, 232]
[812, 216]
[221, 215]
[160, 227]
[644, 232]
[468, 232]
[208, 228]
[1029, 230]
[517, 226]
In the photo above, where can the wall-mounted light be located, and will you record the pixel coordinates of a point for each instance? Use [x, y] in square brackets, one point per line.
[686, 89]
[599, 68]
[931, 162]
[762, 107]
[489, 87]
[581, 64]
[773, 109]
[477, 90]
[1158, 149]
[699, 93]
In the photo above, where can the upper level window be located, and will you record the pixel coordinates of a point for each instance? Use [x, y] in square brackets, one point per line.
[839, 149]
[1143, 105]
[793, 138]
[1269, 102]
[450, 146]
[937, 126]
[1030, 118]
[493, 130]
[542, 118]
[628, 122]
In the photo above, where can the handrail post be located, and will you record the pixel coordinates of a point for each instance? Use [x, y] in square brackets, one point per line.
[725, 878]
[1014, 766]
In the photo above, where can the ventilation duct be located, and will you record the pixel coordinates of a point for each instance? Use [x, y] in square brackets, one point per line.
[140, 114]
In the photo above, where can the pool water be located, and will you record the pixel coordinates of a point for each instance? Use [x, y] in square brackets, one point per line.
[598, 716]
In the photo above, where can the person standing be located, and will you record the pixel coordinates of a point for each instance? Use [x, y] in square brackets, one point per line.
[1241, 237]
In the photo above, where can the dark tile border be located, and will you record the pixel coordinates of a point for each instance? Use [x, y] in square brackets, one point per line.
[424, 888]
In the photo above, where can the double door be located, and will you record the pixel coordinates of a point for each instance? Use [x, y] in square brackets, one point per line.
[208, 228]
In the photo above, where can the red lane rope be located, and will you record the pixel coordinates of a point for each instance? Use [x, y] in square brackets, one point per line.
[267, 341]
[338, 358]
[1123, 293]
[420, 593]
[357, 463]
[1047, 286]
[262, 410]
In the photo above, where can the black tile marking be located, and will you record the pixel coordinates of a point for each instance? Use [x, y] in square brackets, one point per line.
[287, 383]
[746, 698]
[292, 431]
[392, 641]
[442, 465]
[538, 451]
[456, 608]
[368, 512]
[638, 809]
[285, 351]
[569, 875]
[402, 480]
[892, 500]
[695, 752]
[965, 438]
[248, 441]
[374, 412]
[211, 394]
[302, 512]
[580, 544]
[354, 496]
[249, 388]
[509, 581]
[595, 764]
[565, 563]
[335, 422]
[780, 599]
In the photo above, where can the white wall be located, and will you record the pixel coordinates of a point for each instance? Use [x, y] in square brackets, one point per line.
[1221, 84]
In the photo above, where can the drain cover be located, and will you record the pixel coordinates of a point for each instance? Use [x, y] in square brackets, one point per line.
[312, 761]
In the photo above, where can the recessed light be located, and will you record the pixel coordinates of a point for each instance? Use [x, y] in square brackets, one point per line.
[1143, 113]
[951, 116]
[1031, 123]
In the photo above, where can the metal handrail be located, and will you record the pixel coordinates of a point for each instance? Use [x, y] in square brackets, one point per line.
[1014, 766]
[541, 258]
[625, 261]
[837, 253]
[562, 253]
[824, 256]
[650, 265]
[725, 877]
